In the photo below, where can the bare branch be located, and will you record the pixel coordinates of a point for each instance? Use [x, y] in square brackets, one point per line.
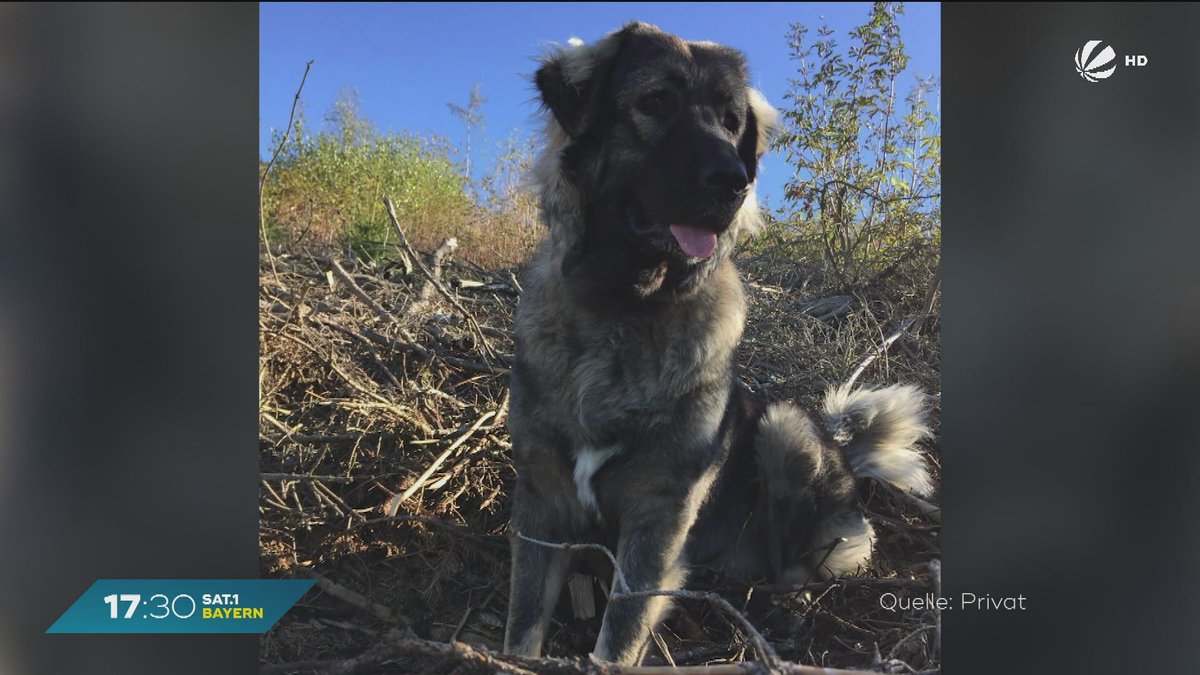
[262, 180]
[485, 347]
[880, 349]
[354, 598]
[398, 644]
[394, 506]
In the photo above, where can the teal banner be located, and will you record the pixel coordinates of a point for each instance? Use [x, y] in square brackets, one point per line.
[181, 606]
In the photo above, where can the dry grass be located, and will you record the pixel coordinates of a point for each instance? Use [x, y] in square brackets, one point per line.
[356, 406]
[489, 240]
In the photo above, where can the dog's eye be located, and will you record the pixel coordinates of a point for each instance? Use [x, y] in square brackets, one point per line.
[731, 122]
[653, 104]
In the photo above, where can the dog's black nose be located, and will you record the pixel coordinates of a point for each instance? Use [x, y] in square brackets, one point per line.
[725, 174]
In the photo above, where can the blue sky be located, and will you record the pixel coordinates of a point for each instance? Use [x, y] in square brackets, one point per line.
[409, 60]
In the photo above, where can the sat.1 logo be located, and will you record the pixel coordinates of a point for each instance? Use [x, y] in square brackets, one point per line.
[1094, 65]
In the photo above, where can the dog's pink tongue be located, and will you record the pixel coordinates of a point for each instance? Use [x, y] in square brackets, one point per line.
[697, 242]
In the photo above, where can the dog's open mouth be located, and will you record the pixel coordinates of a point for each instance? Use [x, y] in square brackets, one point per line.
[696, 240]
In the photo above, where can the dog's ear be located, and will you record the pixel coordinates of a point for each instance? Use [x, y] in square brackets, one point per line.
[571, 82]
[568, 101]
[762, 124]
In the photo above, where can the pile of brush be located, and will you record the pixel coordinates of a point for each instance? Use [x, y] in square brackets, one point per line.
[386, 464]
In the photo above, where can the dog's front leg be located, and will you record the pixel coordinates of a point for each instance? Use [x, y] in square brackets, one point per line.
[648, 556]
[538, 574]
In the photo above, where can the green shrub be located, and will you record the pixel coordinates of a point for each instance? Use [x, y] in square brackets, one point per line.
[867, 171]
[327, 186]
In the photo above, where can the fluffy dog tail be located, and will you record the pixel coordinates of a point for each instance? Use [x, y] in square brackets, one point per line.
[878, 430]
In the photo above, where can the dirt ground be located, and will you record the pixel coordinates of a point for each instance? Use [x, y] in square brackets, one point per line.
[386, 466]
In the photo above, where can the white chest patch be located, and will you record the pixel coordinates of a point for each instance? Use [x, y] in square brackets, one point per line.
[587, 462]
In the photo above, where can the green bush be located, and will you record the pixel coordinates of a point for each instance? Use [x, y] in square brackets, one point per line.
[327, 186]
[866, 186]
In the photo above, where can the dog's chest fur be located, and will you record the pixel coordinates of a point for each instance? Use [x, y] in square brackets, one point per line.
[587, 462]
[625, 376]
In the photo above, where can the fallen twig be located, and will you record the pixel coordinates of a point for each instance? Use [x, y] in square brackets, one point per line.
[359, 292]
[930, 511]
[935, 569]
[472, 285]
[467, 615]
[317, 439]
[496, 541]
[880, 349]
[436, 259]
[414, 347]
[394, 506]
[914, 321]
[354, 598]
[927, 306]
[845, 582]
[398, 410]
[516, 284]
[398, 644]
[304, 476]
[337, 500]
[483, 343]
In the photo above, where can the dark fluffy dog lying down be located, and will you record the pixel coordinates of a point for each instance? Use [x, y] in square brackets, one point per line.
[629, 427]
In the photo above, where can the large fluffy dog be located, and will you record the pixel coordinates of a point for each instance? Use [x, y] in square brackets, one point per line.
[628, 426]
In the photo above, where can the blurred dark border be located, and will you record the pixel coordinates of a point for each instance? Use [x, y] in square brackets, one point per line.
[128, 320]
[1071, 321]
[1071, 316]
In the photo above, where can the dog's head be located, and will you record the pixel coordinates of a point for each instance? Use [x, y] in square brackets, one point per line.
[653, 150]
